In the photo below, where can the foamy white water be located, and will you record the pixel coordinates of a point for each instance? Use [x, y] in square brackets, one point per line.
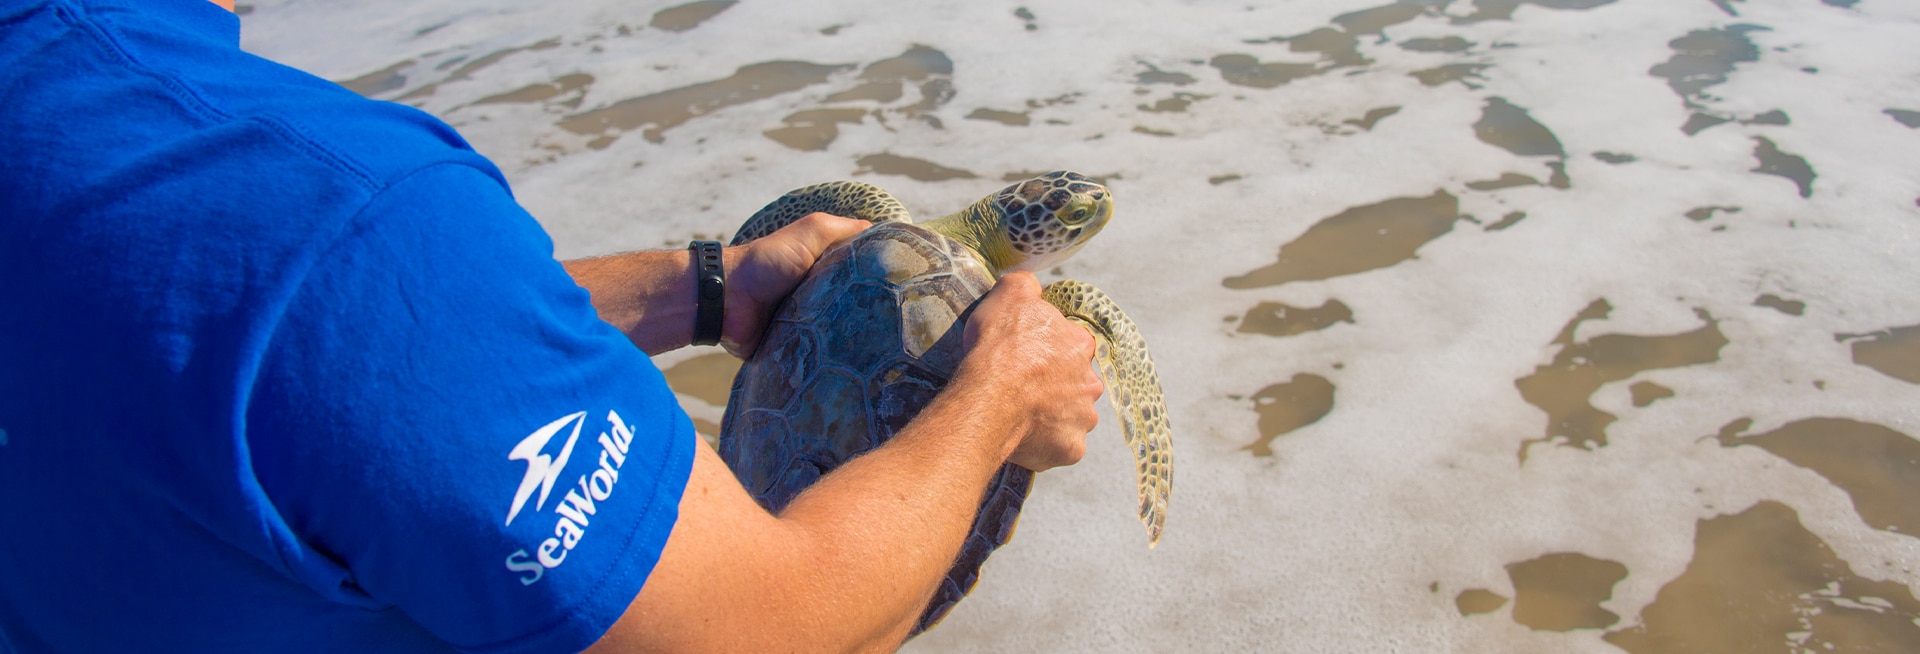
[1416, 429]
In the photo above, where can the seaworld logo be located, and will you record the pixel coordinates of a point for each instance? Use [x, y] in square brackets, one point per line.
[572, 513]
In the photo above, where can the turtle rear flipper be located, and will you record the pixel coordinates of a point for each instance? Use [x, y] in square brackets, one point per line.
[1134, 388]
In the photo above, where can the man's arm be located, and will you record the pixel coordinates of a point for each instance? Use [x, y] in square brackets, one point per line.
[649, 295]
[850, 563]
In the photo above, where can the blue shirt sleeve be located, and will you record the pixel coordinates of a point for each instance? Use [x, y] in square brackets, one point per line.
[448, 429]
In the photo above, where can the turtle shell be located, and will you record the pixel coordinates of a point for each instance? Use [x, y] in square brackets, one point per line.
[860, 347]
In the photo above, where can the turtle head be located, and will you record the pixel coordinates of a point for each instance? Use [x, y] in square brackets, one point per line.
[1044, 220]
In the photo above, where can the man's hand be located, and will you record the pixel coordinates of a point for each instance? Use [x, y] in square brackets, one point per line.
[1043, 362]
[761, 273]
[649, 296]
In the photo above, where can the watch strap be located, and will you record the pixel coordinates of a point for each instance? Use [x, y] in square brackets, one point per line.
[710, 292]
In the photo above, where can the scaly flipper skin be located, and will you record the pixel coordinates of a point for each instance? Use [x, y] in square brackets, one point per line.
[1134, 388]
[847, 199]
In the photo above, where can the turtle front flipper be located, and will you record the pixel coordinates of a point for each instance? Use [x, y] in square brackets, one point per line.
[1134, 388]
[849, 199]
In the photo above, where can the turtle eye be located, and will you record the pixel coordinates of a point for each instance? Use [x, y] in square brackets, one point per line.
[1078, 216]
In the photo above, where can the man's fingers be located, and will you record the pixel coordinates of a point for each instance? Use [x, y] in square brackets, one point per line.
[1095, 388]
[1085, 345]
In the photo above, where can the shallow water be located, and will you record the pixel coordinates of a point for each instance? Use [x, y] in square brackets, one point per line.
[1485, 325]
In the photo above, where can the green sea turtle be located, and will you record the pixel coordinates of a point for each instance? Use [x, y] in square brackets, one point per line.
[868, 338]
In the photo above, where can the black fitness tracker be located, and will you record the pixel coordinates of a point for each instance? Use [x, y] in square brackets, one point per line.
[710, 292]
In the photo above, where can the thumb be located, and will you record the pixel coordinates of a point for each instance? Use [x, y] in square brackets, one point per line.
[817, 231]
[1018, 282]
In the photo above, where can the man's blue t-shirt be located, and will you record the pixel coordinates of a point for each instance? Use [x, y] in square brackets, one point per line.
[283, 369]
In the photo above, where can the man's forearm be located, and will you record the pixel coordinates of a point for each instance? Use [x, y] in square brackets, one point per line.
[849, 564]
[889, 524]
[647, 295]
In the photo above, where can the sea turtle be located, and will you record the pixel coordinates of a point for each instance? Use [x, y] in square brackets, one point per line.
[868, 338]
